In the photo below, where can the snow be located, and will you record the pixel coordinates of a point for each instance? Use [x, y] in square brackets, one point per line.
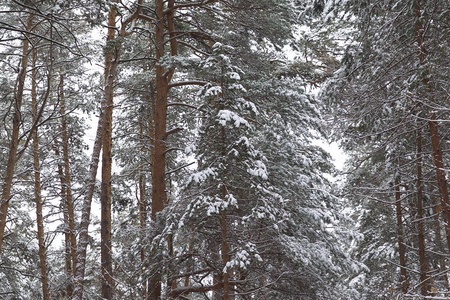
[259, 170]
[201, 176]
[233, 75]
[226, 115]
[213, 91]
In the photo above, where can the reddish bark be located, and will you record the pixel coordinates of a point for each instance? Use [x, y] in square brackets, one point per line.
[440, 174]
[37, 189]
[14, 143]
[421, 236]
[86, 213]
[433, 127]
[159, 197]
[437, 233]
[111, 63]
[67, 177]
[67, 256]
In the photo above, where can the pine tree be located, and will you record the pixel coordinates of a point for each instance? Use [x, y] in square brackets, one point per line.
[382, 98]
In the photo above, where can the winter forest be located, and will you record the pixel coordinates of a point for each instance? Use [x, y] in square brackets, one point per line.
[177, 149]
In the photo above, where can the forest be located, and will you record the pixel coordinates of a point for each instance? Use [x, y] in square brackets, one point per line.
[177, 149]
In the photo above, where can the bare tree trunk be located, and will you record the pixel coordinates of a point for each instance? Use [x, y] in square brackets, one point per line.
[111, 62]
[421, 236]
[225, 258]
[67, 254]
[224, 225]
[142, 214]
[173, 52]
[83, 239]
[433, 127]
[67, 177]
[14, 143]
[159, 196]
[401, 243]
[440, 174]
[37, 189]
[437, 231]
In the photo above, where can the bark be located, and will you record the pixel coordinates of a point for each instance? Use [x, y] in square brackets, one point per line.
[103, 140]
[440, 174]
[37, 191]
[142, 215]
[437, 232]
[67, 177]
[83, 239]
[224, 225]
[159, 196]
[433, 127]
[14, 143]
[421, 236]
[401, 243]
[111, 62]
[66, 192]
[68, 255]
[225, 257]
[142, 221]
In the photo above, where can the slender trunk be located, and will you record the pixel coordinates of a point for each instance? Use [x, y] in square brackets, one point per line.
[142, 215]
[14, 143]
[173, 52]
[224, 225]
[152, 285]
[437, 232]
[83, 239]
[401, 243]
[66, 194]
[421, 236]
[67, 255]
[37, 189]
[217, 277]
[433, 127]
[225, 258]
[440, 174]
[111, 63]
[106, 245]
[187, 278]
[67, 177]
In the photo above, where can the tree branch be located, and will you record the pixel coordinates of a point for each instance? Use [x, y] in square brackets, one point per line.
[183, 83]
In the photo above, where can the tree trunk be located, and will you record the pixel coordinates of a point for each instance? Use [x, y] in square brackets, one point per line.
[37, 190]
[111, 63]
[437, 232]
[401, 243]
[159, 196]
[440, 174]
[142, 213]
[421, 236]
[67, 177]
[225, 258]
[224, 224]
[83, 239]
[433, 127]
[67, 254]
[14, 143]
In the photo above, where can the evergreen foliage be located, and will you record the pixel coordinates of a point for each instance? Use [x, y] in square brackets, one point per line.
[219, 189]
